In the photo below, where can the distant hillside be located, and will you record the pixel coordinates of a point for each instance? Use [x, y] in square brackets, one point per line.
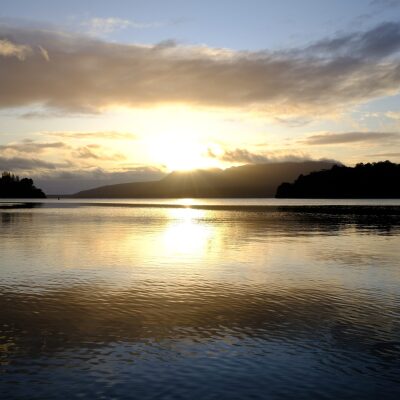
[258, 180]
[13, 187]
[377, 180]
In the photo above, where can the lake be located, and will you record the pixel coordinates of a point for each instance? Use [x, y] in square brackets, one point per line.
[200, 299]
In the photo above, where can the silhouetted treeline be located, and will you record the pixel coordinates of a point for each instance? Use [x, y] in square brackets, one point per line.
[13, 187]
[376, 180]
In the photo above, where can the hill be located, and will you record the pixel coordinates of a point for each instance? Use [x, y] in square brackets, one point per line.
[376, 180]
[13, 187]
[255, 180]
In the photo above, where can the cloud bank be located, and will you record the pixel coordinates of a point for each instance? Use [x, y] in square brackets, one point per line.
[27, 164]
[244, 156]
[350, 137]
[63, 168]
[81, 74]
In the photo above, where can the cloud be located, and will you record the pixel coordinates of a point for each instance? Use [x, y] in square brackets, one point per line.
[376, 43]
[106, 135]
[66, 168]
[75, 168]
[383, 155]
[293, 122]
[26, 164]
[79, 156]
[385, 3]
[86, 153]
[349, 137]
[393, 115]
[239, 155]
[103, 174]
[89, 152]
[44, 53]
[29, 146]
[52, 113]
[100, 26]
[10, 49]
[378, 7]
[89, 75]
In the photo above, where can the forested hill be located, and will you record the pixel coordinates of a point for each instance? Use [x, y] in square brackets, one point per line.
[11, 186]
[376, 180]
[256, 180]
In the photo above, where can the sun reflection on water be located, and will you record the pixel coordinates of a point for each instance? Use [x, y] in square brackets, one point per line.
[187, 202]
[187, 234]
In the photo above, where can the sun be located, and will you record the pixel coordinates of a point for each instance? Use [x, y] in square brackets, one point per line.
[178, 154]
[176, 137]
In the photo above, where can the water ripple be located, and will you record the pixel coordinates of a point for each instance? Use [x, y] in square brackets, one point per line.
[130, 302]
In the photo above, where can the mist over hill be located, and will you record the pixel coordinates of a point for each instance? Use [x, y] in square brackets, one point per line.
[255, 180]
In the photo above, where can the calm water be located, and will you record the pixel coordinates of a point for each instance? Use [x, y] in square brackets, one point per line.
[224, 301]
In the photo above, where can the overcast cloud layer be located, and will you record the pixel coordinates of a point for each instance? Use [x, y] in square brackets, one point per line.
[81, 74]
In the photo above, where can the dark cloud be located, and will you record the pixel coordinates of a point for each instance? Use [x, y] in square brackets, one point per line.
[349, 137]
[82, 74]
[44, 114]
[29, 146]
[377, 43]
[18, 164]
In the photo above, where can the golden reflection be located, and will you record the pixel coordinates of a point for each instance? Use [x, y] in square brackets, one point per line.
[186, 202]
[187, 234]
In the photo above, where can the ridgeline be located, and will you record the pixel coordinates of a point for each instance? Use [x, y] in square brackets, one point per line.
[13, 187]
[256, 180]
[376, 180]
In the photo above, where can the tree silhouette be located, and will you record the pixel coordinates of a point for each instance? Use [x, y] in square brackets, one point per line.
[376, 180]
[11, 186]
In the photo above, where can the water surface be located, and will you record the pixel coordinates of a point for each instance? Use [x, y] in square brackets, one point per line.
[200, 300]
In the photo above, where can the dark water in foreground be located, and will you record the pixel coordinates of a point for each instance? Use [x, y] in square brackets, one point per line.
[210, 303]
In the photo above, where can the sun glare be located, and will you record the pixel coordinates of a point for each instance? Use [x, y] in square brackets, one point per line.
[178, 138]
[178, 154]
[187, 235]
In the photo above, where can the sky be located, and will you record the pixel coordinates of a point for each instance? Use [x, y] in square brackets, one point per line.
[100, 92]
